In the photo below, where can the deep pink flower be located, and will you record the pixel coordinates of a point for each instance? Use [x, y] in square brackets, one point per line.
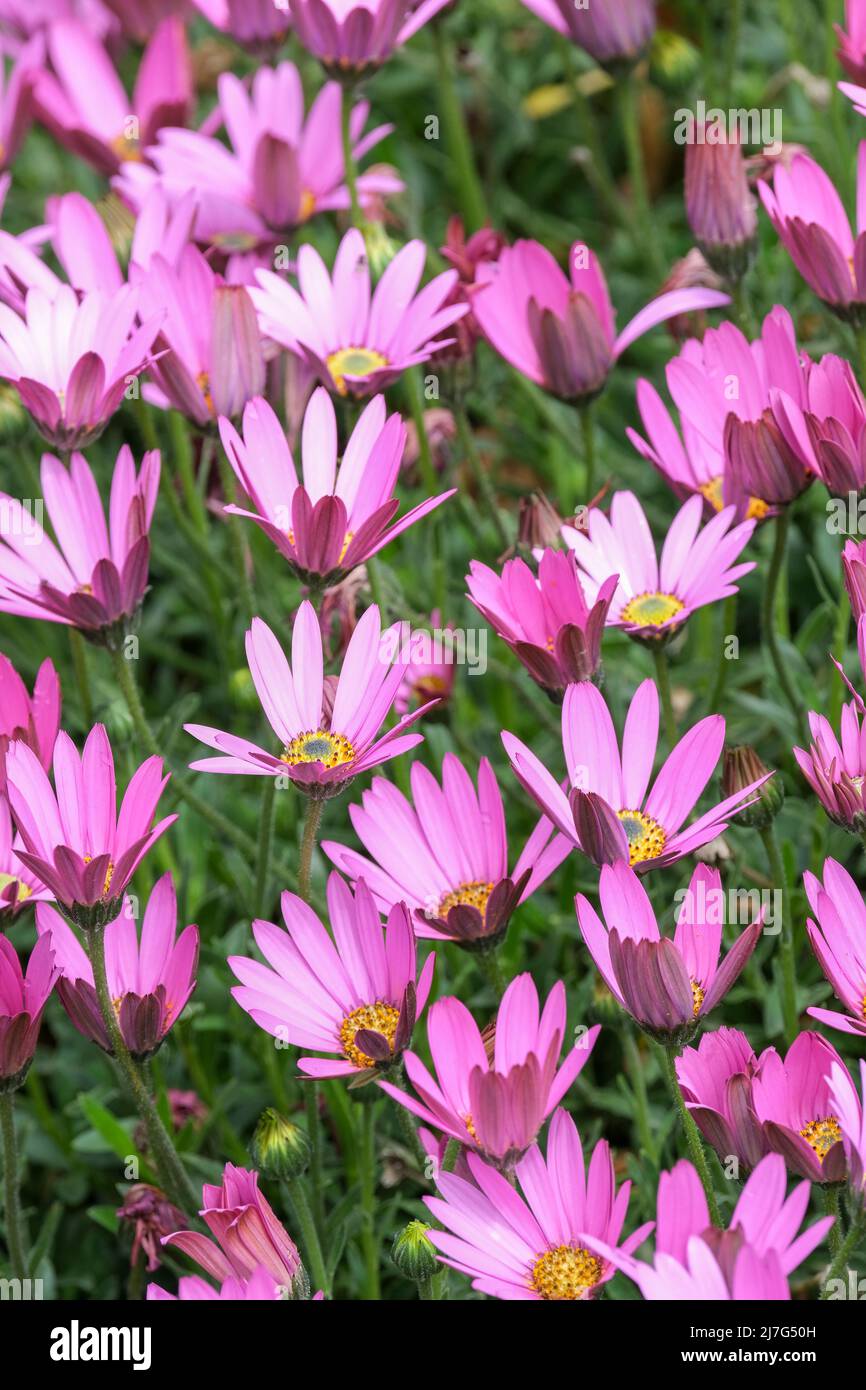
[852, 1121]
[151, 1215]
[258, 25]
[836, 768]
[96, 577]
[813, 226]
[83, 103]
[836, 420]
[466, 254]
[668, 986]
[644, 830]
[854, 575]
[549, 621]
[76, 842]
[613, 32]
[150, 980]
[72, 360]
[355, 997]
[720, 206]
[432, 670]
[338, 514]
[247, 1234]
[653, 599]
[328, 735]
[139, 18]
[446, 855]
[838, 936]
[751, 1260]
[260, 1287]
[23, 996]
[497, 1102]
[350, 39]
[34, 719]
[559, 332]
[18, 886]
[357, 344]
[852, 41]
[716, 1081]
[16, 99]
[281, 168]
[530, 1246]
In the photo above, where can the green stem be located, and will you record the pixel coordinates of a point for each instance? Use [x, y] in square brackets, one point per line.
[638, 1081]
[82, 678]
[314, 1133]
[236, 538]
[174, 1180]
[426, 1291]
[629, 90]
[832, 1207]
[840, 642]
[732, 44]
[367, 1167]
[843, 1254]
[16, 1239]
[693, 1137]
[308, 844]
[490, 965]
[309, 1236]
[663, 680]
[415, 396]
[377, 588]
[266, 839]
[587, 427]
[479, 473]
[351, 171]
[452, 1153]
[466, 180]
[729, 623]
[769, 618]
[410, 1134]
[789, 987]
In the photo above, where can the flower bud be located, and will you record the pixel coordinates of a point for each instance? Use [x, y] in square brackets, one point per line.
[280, 1150]
[742, 766]
[414, 1254]
[719, 204]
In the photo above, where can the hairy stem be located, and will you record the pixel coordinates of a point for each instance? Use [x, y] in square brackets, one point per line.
[16, 1239]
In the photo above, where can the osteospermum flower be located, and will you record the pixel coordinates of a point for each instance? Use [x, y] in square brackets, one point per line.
[547, 620]
[432, 670]
[357, 344]
[71, 361]
[559, 332]
[838, 936]
[336, 516]
[716, 1082]
[854, 576]
[644, 829]
[356, 996]
[835, 768]
[750, 1260]
[150, 980]
[260, 1287]
[76, 842]
[613, 32]
[328, 735]
[852, 41]
[852, 1121]
[19, 887]
[653, 599]
[497, 1101]
[95, 578]
[445, 853]
[530, 1246]
[259, 25]
[352, 39]
[667, 985]
[836, 420]
[720, 206]
[23, 996]
[34, 719]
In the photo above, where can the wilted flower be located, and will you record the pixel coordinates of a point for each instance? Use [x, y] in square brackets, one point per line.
[466, 254]
[151, 1216]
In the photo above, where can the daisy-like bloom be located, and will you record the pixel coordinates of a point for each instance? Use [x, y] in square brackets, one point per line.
[560, 332]
[838, 936]
[852, 1121]
[356, 343]
[750, 1260]
[76, 842]
[261, 26]
[653, 599]
[71, 361]
[814, 228]
[337, 515]
[355, 997]
[247, 1235]
[716, 1082]
[431, 672]
[494, 1097]
[150, 980]
[645, 830]
[613, 32]
[836, 420]
[669, 986]
[151, 1216]
[281, 167]
[352, 39]
[139, 18]
[95, 578]
[530, 1246]
[260, 1287]
[835, 768]
[16, 99]
[23, 996]
[466, 254]
[18, 886]
[852, 41]
[83, 103]
[720, 206]
[328, 735]
[214, 361]
[34, 719]
[446, 855]
[546, 619]
[745, 440]
[854, 575]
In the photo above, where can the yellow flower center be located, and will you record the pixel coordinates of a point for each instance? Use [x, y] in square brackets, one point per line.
[347, 541]
[646, 838]
[203, 384]
[378, 1018]
[821, 1135]
[308, 205]
[126, 148]
[109, 874]
[318, 746]
[354, 362]
[756, 510]
[469, 895]
[651, 610]
[566, 1272]
[6, 881]
[697, 997]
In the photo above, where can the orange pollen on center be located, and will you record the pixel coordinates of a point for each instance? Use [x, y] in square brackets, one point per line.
[347, 541]
[109, 874]
[202, 381]
[646, 838]
[126, 147]
[566, 1272]
[318, 746]
[377, 1018]
[821, 1135]
[712, 490]
[473, 894]
[697, 997]
[307, 205]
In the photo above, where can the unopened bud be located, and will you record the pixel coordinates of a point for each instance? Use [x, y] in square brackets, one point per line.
[414, 1253]
[280, 1150]
[742, 766]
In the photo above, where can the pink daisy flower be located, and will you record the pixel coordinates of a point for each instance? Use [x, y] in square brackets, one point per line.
[653, 599]
[350, 39]
[355, 997]
[668, 986]
[260, 1287]
[18, 886]
[852, 41]
[95, 578]
[446, 855]
[258, 25]
[72, 360]
[611, 31]
[716, 1082]
[432, 670]
[838, 936]
[835, 768]
[150, 979]
[328, 732]
[645, 829]
[337, 515]
[495, 1101]
[357, 343]
[76, 842]
[530, 1246]
[34, 719]
[23, 996]
[852, 1121]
